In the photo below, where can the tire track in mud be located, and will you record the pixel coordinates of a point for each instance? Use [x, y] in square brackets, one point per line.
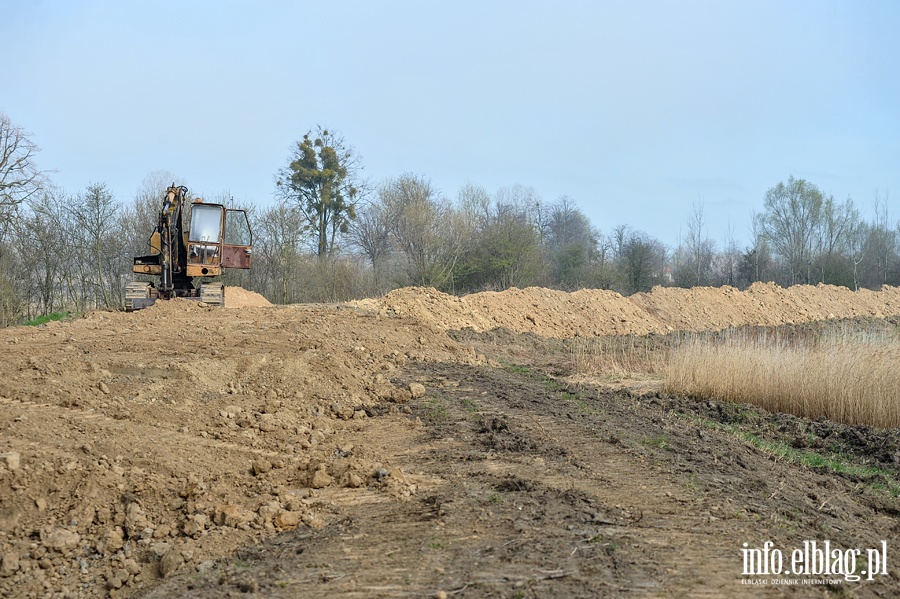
[540, 436]
[541, 489]
[690, 496]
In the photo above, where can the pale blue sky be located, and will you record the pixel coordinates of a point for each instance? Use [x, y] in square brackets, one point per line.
[635, 109]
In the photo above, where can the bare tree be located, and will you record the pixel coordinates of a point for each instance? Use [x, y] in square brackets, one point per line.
[96, 222]
[140, 217]
[279, 252]
[475, 201]
[793, 212]
[11, 304]
[856, 247]
[728, 263]
[371, 233]
[693, 259]
[882, 244]
[20, 178]
[40, 235]
[527, 200]
[833, 240]
[426, 228]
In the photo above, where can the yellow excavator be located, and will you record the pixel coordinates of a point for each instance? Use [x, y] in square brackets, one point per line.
[218, 238]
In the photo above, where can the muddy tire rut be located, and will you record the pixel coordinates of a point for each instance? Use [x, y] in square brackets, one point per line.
[532, 487]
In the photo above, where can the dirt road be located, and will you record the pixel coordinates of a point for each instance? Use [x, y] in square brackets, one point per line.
[355, 451]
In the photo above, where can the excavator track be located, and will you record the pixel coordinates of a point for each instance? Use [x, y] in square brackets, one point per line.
[136, 290]
[212, 294]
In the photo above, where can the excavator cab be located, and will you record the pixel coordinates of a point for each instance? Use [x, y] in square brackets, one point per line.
[219, 238]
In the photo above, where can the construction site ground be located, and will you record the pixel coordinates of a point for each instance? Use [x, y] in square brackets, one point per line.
[420, 445]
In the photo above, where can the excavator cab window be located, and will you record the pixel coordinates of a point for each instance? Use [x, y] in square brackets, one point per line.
[237, 228]
[238, 247]
[206, 223]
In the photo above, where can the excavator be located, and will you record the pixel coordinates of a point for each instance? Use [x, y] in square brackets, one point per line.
[218, 238]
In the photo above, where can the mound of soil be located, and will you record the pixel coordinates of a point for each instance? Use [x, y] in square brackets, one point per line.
[763, 304]
[135, 445]
[593, 312]
[238, 297]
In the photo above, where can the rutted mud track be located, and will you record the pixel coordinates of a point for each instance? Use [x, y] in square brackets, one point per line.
[186, 451]
[531, 488]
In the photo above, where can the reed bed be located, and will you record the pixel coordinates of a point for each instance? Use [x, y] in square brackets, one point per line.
[618, 356]
[847, 376]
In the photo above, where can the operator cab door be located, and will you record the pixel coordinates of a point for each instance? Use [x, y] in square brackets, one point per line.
[237, 251]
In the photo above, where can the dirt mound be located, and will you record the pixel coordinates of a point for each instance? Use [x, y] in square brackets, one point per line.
[763, 304]
[545, 312]
[136, 444]
[238, 297]
[592, 312]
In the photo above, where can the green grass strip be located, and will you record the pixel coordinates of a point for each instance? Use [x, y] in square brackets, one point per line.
[54, 316]
[876, 477]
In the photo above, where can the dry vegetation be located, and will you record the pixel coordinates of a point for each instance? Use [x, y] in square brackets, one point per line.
[846, 375]
[842, 371]
[618, 356]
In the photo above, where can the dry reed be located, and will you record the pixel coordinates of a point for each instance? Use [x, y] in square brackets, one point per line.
[845, 376]
[617, 356]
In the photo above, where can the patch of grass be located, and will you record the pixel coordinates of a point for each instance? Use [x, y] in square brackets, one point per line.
[836, 463]
[53, 316]
[585, 408]
[533, 374]
[518, 368]
[690, 481]
[240, 564]
[436, 410]
[568, 395]
[560, 389]
[469, 405]
[609, 545]
[658, 441]
[743, 414]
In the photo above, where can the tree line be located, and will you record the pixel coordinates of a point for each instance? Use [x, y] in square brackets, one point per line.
[332, 236]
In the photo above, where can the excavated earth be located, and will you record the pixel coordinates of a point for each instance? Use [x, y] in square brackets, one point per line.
[419, 445]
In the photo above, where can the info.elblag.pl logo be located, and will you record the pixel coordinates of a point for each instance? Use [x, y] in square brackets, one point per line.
[814, 559]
